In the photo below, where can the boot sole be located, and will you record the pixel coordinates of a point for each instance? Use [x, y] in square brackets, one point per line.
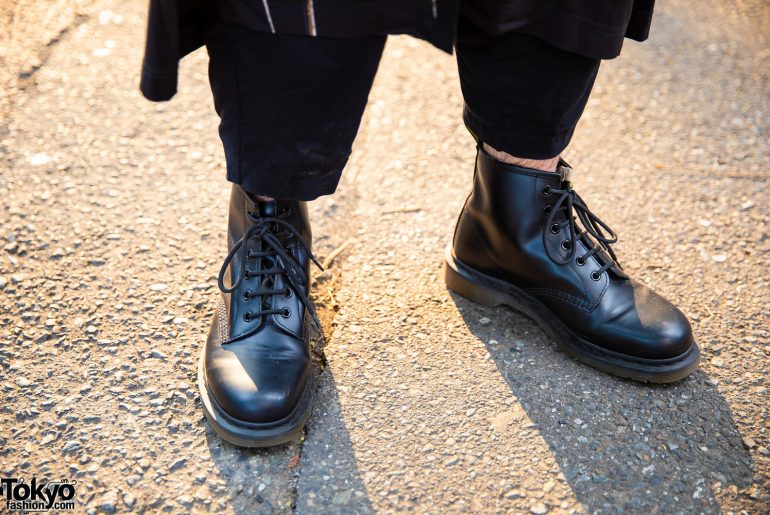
[249, 434]
[489, 291]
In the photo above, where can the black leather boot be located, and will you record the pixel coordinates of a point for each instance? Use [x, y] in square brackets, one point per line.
[519, 243]
[256, 376]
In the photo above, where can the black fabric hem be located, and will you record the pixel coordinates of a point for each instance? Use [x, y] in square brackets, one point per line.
[351, 20]
[277, 187]
[158, 86]
[527, 145]
[566, 31]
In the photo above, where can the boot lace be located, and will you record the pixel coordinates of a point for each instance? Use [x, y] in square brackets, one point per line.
[594, 230]
[272, 260]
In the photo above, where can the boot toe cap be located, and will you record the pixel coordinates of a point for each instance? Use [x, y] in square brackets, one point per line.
[650, 327]
[254, 386]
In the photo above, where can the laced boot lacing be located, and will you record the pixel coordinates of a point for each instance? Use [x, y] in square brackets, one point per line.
[595, 230]
[272, 260]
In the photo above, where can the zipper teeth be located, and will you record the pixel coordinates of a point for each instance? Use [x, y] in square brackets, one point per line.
[435, 8]
[311, 18]
[269, 16]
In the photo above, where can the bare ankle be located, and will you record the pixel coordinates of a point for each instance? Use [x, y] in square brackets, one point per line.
[546, 165]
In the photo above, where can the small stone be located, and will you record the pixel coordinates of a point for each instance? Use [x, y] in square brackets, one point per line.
[129, 500]
[177, 464]
[539, 509]
[71, 446]
[503, 419]
[719, 258]
[108, 502]
[23, 382]
[155, 353]
[747, 205]
[342, 497]
[158, 287]
[484, 320]
[3, 283]
[40, 159]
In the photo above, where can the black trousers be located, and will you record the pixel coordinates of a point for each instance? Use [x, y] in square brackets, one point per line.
[290, 106]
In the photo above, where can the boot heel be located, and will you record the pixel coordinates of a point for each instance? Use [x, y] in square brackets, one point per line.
[457, 282]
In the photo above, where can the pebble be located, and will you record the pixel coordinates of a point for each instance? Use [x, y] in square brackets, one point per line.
[539, 509]
[747, 205]
[23, 382]
[342, 498]
[129, 500]
[109, 501]
[177, 464]
[72, 445]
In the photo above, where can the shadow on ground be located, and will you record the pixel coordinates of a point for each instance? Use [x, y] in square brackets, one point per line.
[330, 481]
[253, 480]
[321, 468]
[620, 445]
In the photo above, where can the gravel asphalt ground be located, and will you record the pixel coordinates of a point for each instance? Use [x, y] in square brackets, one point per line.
[113, 231]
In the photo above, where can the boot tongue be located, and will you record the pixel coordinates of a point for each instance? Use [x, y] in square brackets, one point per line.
[268, 208]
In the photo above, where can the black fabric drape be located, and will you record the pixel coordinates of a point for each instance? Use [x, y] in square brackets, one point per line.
[591, 28]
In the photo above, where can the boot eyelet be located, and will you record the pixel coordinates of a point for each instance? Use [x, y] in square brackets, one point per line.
[247, 317]
[247, 295]
[595, 275]
[579, 261]
[547, 210]
[286, 313]
[288, 293]
[565, 245]
[555, 228]
[546, 190]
